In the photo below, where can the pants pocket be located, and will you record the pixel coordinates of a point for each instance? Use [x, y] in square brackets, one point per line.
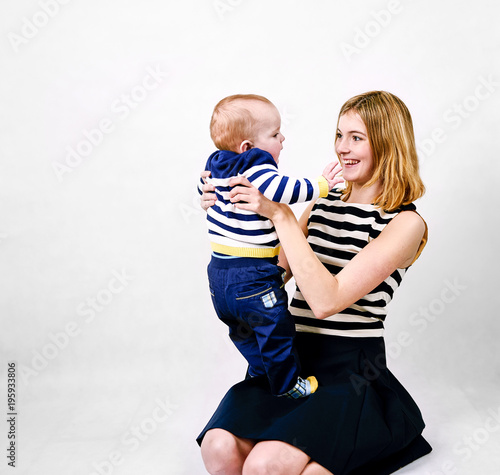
[253, 290]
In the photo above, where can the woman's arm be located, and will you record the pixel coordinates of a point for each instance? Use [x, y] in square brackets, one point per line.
[208, 197]
[333, 174]
[282, 260]
[326, 294]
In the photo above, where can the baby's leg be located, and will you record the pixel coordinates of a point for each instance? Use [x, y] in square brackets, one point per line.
[243, 337]
[240, 332]
[275, 336]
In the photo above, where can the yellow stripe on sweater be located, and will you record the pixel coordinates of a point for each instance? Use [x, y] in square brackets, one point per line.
[245, 251]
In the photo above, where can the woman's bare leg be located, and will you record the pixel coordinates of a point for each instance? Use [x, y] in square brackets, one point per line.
[223, 453]
[276, 458]
[314, 468]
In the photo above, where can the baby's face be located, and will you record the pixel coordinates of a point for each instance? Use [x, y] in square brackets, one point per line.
[268, 135]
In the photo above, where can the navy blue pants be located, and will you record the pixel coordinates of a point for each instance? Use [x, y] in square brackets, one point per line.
[249, 297]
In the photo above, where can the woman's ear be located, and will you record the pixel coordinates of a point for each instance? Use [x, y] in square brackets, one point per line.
[245, 145]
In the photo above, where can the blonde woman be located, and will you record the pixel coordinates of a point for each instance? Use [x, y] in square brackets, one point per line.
[348, 254]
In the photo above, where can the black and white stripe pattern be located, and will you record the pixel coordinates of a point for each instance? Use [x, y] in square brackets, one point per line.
[337, 232]
[238, 232]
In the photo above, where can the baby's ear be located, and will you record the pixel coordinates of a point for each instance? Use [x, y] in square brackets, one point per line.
[245, 146]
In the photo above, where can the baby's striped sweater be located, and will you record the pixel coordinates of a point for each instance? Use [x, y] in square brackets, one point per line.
[242, 233]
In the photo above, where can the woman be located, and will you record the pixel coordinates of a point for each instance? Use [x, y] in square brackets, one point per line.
[348, 254]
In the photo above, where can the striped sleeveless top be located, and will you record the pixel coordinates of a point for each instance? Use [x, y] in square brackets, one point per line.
[337, 231]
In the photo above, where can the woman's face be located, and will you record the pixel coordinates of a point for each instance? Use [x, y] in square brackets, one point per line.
[353, 148]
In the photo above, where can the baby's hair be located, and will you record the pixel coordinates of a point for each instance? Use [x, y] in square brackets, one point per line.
[233, 122]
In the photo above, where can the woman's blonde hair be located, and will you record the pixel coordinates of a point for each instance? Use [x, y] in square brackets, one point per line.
[233, 122]
[391, 137]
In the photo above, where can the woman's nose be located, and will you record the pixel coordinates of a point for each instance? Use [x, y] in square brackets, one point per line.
[341, 146]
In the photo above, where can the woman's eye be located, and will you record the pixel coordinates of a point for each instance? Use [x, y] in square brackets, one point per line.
[356, 138]
[339, 135]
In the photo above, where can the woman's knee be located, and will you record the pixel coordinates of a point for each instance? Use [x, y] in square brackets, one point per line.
[263, 466]
[275, 458]
[223, 453]
[313, 468]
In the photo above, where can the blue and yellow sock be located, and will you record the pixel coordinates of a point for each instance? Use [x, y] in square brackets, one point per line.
[303, 388]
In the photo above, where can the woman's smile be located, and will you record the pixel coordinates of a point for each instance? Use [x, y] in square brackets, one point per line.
[353, 148]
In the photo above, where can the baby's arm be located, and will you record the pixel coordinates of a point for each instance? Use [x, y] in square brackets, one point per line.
[284, 189]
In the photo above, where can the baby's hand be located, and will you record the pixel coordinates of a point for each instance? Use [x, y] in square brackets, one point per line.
[333, 174]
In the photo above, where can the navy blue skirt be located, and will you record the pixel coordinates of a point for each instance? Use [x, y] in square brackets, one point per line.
[360, 421]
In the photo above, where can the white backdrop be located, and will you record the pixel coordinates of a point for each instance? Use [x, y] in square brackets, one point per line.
[104, 305]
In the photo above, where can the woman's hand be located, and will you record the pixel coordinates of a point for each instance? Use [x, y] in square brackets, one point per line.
[245, 196]
[208, 198]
